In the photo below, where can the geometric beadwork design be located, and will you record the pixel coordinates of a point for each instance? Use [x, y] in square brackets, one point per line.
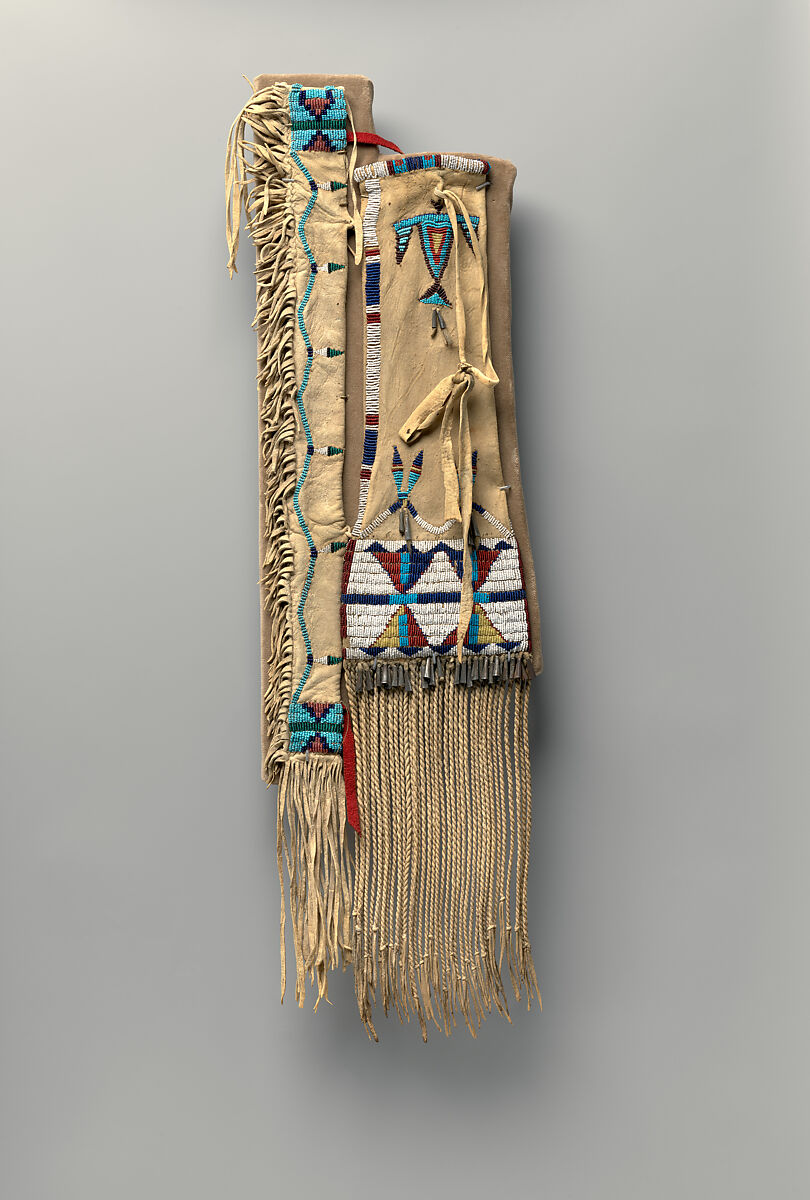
[421, 162]
[318, 119]
[397, 470]
[436, 238]
[316, 726]
[399, 602]
[317, 123]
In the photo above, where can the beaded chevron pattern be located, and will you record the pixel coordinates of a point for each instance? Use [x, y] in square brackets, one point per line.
[436, 239]
[403, 502]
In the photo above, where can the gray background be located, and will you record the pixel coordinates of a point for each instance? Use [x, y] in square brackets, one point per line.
[661, 299]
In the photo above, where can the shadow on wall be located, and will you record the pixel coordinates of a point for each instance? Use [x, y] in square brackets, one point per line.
[528, 306]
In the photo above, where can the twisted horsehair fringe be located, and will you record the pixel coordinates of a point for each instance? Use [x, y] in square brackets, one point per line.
[444, 793]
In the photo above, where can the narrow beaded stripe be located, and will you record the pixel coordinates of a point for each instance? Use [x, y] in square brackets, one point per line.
[421, 162]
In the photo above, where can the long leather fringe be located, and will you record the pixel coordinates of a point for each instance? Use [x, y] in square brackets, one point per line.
[444, 791]
[271, 223]
[311, 842]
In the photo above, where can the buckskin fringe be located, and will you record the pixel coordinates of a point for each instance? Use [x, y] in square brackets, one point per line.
[311, 843]
[444, 792]
[271, 223]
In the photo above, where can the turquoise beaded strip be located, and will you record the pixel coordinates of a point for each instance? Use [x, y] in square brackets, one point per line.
[318, 117]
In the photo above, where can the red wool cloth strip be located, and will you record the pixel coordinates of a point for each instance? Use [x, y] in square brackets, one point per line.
[371, 139]
[350, 773]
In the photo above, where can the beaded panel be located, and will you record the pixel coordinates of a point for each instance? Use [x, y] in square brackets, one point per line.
[316, 727]
[402, 600]
[318, 119]
[421, 162]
